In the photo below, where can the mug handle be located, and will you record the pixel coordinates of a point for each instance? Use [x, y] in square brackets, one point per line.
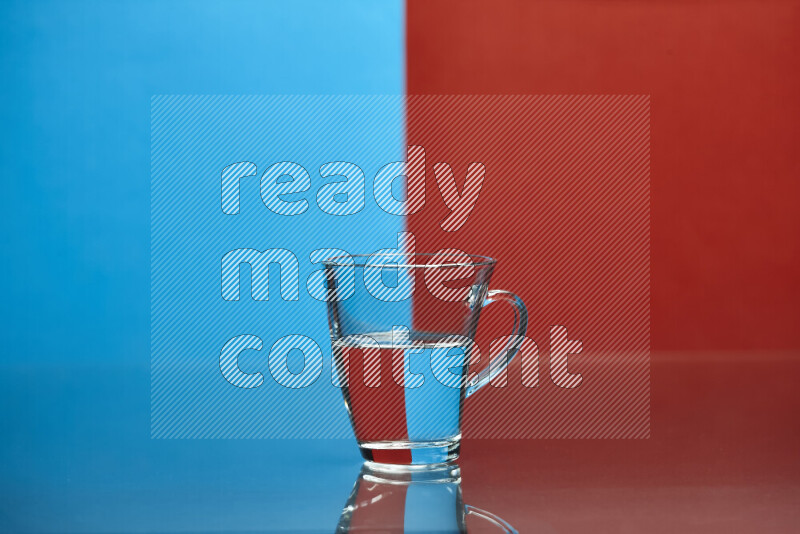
[499, 362]
[490, 518]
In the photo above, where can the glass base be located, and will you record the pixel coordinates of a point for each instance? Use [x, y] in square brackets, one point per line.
[404, 455]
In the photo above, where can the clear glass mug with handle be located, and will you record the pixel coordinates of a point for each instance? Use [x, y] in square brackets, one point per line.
[402, 334]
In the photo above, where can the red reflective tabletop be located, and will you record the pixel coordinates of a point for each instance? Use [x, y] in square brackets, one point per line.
[723, 456]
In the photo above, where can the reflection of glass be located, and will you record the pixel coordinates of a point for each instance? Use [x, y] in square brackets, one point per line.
[414, 501]
[415, 335]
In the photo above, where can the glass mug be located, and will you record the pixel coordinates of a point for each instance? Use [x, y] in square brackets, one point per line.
[414, 501]
[411, 318]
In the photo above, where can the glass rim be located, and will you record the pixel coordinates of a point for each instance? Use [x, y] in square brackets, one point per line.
[477, 260]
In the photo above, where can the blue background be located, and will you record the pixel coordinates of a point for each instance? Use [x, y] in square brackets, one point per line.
[192, 140]
[77, 81]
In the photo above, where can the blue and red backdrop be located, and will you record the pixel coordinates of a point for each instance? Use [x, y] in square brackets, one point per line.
[78, 78]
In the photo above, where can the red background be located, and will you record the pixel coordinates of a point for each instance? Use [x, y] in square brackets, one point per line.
[724, 88]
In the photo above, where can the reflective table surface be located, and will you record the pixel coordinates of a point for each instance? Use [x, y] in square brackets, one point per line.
[722, 457]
